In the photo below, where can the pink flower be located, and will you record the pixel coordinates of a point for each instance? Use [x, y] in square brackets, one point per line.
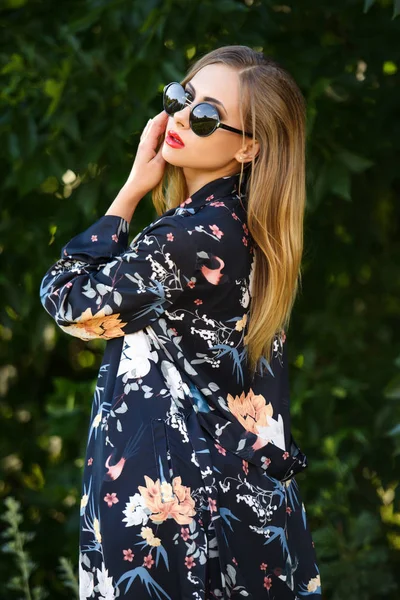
[217, 204]
[174, 331]
[245, 229]
[245, 465]
[187, 201]
[220, 449]
[216, 231]
[189, 562]
[212, 504]
[185, 535]
[267, 582]
[66, 253]
[170, 237]
[111, 499]
[235, 562]
[191, 284]
[114, 237]
[90, 461]
[94, 238]
[285, 455]
[197, 301]
[69, 284]
[210, 197]
[234, 215]
[128, 555]
[148, 561]
[244, 240]
[263, 566]
[288, 510]
[266, 461]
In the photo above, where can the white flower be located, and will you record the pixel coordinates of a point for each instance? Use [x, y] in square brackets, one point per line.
[274, 432]
[86, 584]
[136, 512]
[173, 379]
[135, 355]
[105, 586]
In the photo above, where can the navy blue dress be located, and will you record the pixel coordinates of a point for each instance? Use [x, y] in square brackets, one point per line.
[176, 503]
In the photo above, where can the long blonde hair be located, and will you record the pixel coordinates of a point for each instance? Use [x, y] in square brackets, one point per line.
[273, 109]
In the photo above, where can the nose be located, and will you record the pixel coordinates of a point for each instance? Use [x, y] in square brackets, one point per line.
[182, 116]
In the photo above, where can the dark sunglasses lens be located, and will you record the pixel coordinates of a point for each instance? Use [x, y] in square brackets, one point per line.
[204, 119]
[174, 98]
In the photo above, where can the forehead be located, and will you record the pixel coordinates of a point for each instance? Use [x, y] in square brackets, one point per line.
[219, 81]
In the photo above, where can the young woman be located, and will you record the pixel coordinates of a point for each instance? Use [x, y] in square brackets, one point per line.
[189, 487]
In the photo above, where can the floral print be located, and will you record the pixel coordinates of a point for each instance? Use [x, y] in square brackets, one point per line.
[189, 487]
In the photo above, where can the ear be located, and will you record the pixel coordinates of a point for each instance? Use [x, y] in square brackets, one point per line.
[247, 152]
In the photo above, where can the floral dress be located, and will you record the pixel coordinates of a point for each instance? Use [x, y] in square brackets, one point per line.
[176, 503]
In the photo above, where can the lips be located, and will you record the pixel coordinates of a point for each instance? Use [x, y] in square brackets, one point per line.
[173, 136]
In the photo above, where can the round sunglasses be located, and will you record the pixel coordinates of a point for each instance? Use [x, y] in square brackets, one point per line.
[204, 118]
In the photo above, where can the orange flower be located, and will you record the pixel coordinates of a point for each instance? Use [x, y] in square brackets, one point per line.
[180, 507]
[99, 325]
[251, 410]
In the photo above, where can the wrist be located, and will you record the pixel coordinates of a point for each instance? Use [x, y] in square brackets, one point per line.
[129, 196]
[125, 204]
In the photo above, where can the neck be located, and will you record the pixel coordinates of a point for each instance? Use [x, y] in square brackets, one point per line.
[196, 179]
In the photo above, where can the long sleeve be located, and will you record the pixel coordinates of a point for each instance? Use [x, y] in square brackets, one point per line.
[101, 288]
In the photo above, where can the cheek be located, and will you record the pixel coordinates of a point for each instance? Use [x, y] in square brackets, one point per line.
[209, 152]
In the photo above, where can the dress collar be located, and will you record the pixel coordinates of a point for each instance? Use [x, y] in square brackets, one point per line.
[213, 190]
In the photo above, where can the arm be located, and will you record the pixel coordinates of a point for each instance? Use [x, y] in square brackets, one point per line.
[101, 288]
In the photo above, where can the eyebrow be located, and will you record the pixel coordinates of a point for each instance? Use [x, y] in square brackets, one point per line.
[207, 98]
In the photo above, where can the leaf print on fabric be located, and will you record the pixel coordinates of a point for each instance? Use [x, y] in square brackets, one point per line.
[255, 415]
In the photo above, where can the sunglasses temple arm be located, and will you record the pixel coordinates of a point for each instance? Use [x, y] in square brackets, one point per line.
[234, 130]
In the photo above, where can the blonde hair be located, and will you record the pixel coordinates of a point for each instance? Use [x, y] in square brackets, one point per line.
[273, 109]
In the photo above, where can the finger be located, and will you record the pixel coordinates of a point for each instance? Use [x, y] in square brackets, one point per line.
[146, 129]
[159, 157]
[158, 125]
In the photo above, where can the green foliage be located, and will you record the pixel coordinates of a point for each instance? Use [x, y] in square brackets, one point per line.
[15, 546]
[78, 81]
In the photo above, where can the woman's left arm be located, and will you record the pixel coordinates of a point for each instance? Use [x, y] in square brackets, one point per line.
[103, 288]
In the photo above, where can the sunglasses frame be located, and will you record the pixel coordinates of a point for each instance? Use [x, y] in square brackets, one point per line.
[218, 124]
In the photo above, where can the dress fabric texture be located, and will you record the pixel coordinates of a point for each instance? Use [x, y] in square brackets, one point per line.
[176, 503]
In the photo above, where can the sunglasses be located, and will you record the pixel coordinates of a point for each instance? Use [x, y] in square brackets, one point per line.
[204, 118]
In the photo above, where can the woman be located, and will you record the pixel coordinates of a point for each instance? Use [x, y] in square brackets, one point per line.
[189, 487]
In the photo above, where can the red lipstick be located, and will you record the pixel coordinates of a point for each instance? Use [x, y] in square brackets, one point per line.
[173, 139]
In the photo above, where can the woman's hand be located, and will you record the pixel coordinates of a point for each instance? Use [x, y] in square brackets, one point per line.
[147, 171]
[148, 167]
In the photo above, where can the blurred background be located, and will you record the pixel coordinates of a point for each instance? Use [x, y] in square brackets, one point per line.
[78, 82]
